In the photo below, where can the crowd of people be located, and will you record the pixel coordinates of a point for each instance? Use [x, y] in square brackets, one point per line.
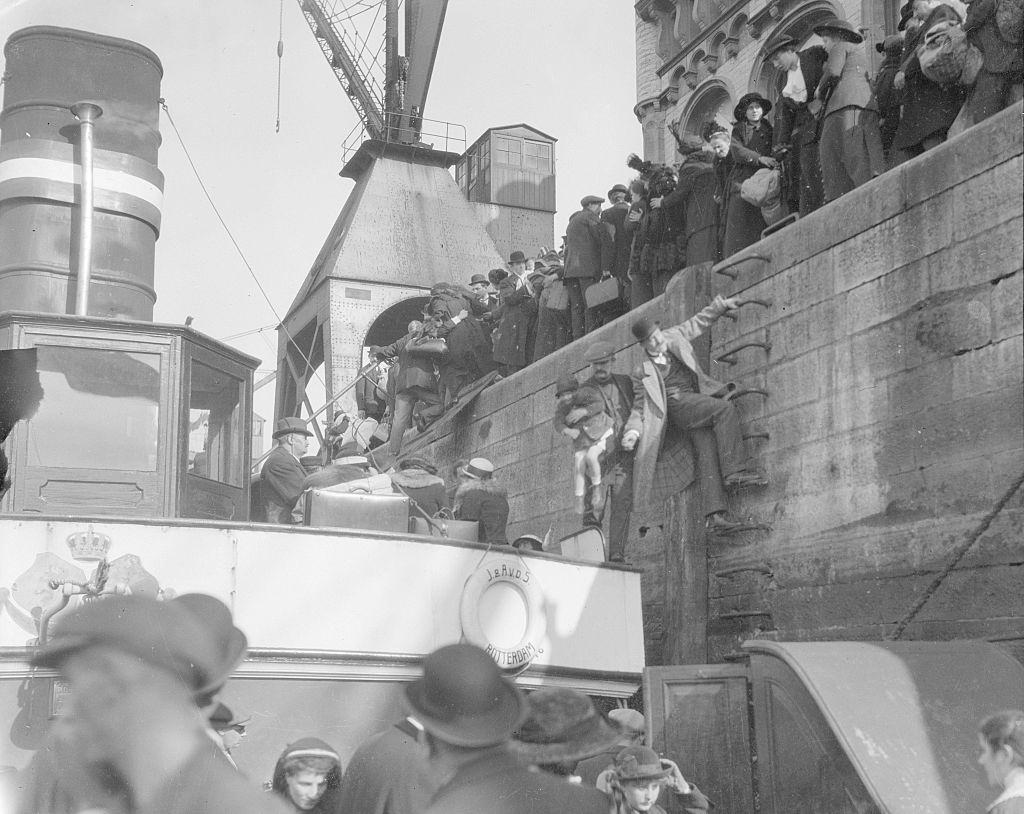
[143, 731]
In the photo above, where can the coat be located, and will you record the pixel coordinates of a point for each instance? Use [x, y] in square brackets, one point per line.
[281, 480]
[516, 312]
[589, 248]
[999, 56]
[413, 371]
[928, 109]
[427, 490]
[740, 224]
[660, 472]
[622, 237]
[793, 121]
[487, 502]
[694, 201]
[388, 774]
[497, 783]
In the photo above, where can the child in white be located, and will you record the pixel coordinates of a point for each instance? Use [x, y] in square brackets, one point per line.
[580, 415]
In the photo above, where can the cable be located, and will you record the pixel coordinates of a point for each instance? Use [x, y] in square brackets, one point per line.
[280, 54]
[250, 332]
[231, 237]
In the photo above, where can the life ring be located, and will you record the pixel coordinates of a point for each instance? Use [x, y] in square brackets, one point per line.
[511, 571]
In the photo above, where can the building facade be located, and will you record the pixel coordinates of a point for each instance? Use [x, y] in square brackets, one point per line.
[696, 58]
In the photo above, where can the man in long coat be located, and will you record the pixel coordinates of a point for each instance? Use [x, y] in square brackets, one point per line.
[670, 386]
[516, 314]
[282, 475]
[589, 253]
[615, 217]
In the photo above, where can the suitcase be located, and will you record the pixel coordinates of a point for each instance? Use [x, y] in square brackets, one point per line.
[586, 544]
[602, 292]
[356, 511]
[468, 530]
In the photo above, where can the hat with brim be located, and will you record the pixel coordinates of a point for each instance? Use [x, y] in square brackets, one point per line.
[643, 328]
[740, 111]
[462, 698]
[562, 725]
[841, 29]
[517, 257]
[231, 642]
[906, 13]
[780, 44]
[618, 188]
[639, 763]
[479, 468]
[478, 279]
[287, 426]
[528, 541]
[162, 634]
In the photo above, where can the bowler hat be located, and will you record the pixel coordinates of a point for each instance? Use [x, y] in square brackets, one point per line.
[639, 763]
[231, 642]
[893, 45]
[223, 718]
[906, 12]
[562, 725]
[163, 634]
[479, 468]
[590, 199]
[287, 426]
[839, 28]
[643, 328]
[462, 698]
[478, 278]
[746, 100]
[780, 43]
[618, 188]
[566, 383]
[517, 257]
[598, 352]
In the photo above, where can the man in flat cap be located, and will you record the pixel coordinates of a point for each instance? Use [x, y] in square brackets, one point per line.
[796, 126]
[589, 254]
[282, 474]
[616, 392]
[134, 666]
[674, 390]
[615, 217]
[469, 711]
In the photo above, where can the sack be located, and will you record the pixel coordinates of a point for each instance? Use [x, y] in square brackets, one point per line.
[600, 293]
[430, 347]
[774, 213]
[943, 54]
[557, 296]
[762, 188]
[972, 65]
[1010, 20]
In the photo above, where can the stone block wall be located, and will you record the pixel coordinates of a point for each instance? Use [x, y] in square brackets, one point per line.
[893, 415]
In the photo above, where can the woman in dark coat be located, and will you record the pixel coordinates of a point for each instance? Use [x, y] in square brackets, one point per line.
[417, 477]
[516, 311]
[928, 108]
[479, 497]
[744, 222]
[656, 245]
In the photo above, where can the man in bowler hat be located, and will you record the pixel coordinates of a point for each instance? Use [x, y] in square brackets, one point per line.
[589, 253]
[674, 390]
[134, 667]
[469, 711]
[282, 475]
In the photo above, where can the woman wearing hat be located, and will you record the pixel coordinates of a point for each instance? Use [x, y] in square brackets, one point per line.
[636, 778]
[479, 497]
[928, 108]
[307, 776]
[755, 133]
[850, 148]
[417, 477]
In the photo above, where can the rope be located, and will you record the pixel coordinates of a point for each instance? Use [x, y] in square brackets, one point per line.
[958, 555]
[280, 54]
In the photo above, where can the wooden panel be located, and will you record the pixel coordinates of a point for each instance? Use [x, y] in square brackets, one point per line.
[698, 717]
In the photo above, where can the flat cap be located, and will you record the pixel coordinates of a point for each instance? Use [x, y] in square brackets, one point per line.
[598, 352]
[591, 199]
[164, 634]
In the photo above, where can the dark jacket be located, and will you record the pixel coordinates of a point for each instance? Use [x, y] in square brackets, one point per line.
[740, 224]
[793, 121]
[589, 249]
[282, 479]
[496, 783]
[999, 55]
[388, 774]
[413, 371]
[487, 502]
[427, 490]
[622, 236]
[844, 79]
[694, 201]
[516, 311]
[928, 109]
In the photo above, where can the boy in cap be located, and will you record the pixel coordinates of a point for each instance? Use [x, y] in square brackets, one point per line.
[134, 667]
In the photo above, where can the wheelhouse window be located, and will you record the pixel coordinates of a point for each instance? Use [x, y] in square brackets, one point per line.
[508, 151]
[215, 425]
[82, 383]
[537, 156]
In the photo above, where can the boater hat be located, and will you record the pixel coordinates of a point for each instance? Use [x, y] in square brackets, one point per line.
[287, 426]
[841, 29]
[479, 468]
[639, 763]
[740, 111]
[463, 699]
[562, 725]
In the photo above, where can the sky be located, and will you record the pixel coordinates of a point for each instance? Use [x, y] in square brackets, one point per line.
[566, 67]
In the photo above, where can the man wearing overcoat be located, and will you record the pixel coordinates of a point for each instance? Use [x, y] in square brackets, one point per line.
[589, 251]
[282, 475]
[670, 386]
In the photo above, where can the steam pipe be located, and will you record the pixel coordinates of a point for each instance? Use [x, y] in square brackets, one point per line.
[86, 113]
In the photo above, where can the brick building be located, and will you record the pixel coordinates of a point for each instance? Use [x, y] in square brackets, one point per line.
[695, 59]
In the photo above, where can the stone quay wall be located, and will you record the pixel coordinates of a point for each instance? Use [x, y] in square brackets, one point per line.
[891, 426]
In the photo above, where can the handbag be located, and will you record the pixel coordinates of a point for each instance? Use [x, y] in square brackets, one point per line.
[943, 54]
[558, 296]
[429, 347]
[761, 188]
[602, 292]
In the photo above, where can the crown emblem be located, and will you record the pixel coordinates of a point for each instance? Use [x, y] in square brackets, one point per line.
[88, 546]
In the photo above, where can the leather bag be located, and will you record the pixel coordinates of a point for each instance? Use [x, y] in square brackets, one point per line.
[602, 292]
[429, 347]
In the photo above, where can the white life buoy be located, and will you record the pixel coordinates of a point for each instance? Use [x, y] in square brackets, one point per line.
[508, 571]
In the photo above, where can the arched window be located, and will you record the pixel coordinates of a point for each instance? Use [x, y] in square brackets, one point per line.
[711, 100]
